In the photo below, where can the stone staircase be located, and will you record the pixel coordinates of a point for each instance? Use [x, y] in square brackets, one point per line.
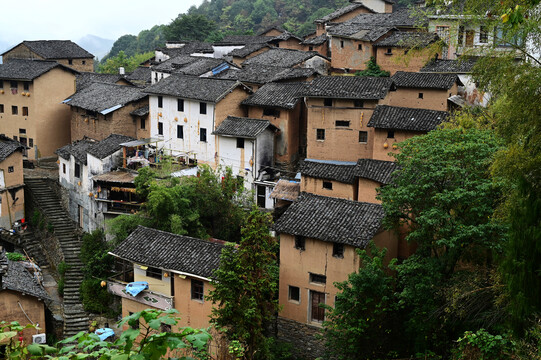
[75, 318]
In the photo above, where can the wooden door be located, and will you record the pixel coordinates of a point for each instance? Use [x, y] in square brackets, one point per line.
[318, 313]
[469, 37]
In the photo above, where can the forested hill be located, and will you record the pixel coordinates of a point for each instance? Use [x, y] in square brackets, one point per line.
[214, 19]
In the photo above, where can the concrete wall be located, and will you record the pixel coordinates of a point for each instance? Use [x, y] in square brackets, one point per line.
[402, 59]
[340, 143]
[101, 126]
[339, 189]
[432, 99]
[11, 190]
[34, 308]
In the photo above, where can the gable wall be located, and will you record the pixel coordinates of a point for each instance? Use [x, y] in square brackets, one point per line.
[399, 61]
[21, 51]
[349, 56]
[339, 189]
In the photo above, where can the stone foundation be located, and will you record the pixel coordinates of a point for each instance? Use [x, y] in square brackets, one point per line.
[303, 338]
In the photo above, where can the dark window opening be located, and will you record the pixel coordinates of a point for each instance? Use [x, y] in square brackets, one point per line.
[165, 328]
[300, 242]
[327, 185]
[31, 142]
[197, 290]
[271, 112]
[483, 35]
[203, 108]
[25, 111]
[461, 35]
[318, 279]
[160, 102]
[294, 293]
[360, 46]
[320, 134]
[1, 84]
[77, 170]
[203, 135]
[180, 105]
[11, 169]
[338, 250]
[83, 62]
[389, 51]
[240, 143]
[70, 61]
[180, 132]
[342, 123]
[358, 103]
[1, 108]
[421, 95]
[342, 44]
[160, 128]
[63, 168]
[154, 273]
[363, 136]
[327, 102]
[14, 110]
[142, 123]
[310, 48]
[390, 134]
[261, 196]
[22, 131]
[26, 86]
[13, 84]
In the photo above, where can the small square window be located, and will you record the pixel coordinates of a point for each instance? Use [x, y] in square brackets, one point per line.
[14, 110]
[160, 128]
[421, 95]
[389, 51]
[143, 125]
[271, 112]
[63, 168]
[198, 290]
[327, 185]
[300, 242]
[363, 137]
[26, 86]
[294, 294]
[160, 102]
[360, 47]
[83, 62]
[327, 102]
[1, 108]
[25, 110]
[358, 103]
[318, 279]
[310, 48]
[203, 108]
[180, 132]
[320, 134]
[180, 105]
[338, 250]
[70, 61]
[10, 169]
[22, 131]
[342, 123]
[390, 134]
[13, 84]
[154, 273]
[240, 143]
[203, 135]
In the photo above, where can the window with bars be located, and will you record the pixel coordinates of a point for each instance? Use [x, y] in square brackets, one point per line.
[318, 279]
[338, 250]
[294, 294]
[198, 290]
[154, 273]
[363, 137]
[300, 242]
[320, 134]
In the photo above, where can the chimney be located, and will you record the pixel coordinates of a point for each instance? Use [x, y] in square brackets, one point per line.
[121, 71]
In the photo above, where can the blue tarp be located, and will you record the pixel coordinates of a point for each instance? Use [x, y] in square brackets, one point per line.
[104, 333]
[136, 287]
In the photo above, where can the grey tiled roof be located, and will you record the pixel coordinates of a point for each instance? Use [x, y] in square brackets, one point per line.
[200, 66]
[282, 95]
[331, 219]
[188, 48]
[244, 39]
[19, 69]
[460, 66]
[108, 146]
[242, 127]
[401, 118]
[376, 170]
[174, 63]
[404, 79]
[192, 87]
[8, 146]
[19, 279]
[286, 35]
[101, 97]
[57, 49]
[346, 9]
[349, 87]
[170, 252]
[294, 73]
[318, 40]
[248, 49]
[142, 111]
[341, 171]
[254, 74]
[408, 39]
[364, 33]
[281, 57]
[141, 73]
[78, 149]
[84, 79]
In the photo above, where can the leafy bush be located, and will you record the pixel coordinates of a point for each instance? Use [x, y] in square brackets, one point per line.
[15, 256]
[36, 217]
[484, 346]
[280, 350]
[61, 286]
[373, 69]
[62, 268]
[97, 299]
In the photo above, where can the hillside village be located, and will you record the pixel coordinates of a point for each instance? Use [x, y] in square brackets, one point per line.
[302, 131]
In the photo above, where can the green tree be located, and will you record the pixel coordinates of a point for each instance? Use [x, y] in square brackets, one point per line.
[373, 69]
[364, 318]
[189, 28]
[245, 287]
[112, 64]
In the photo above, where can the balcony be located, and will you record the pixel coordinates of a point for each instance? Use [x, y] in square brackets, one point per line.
[146, 297]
